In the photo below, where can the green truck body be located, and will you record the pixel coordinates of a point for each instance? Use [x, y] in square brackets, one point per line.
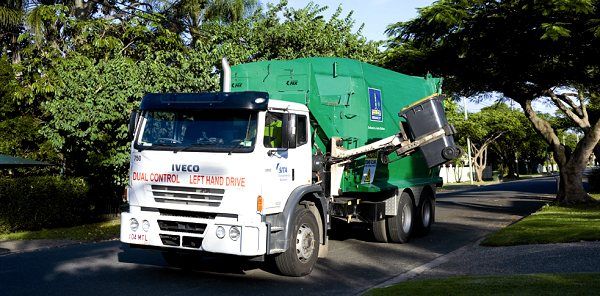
[355, 101]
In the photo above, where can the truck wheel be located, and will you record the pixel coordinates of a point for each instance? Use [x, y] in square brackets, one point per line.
[379, 231]
[424, 219]
[303, 249]
[400, 227]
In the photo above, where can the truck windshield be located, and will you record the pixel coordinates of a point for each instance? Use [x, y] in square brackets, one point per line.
[215, 130]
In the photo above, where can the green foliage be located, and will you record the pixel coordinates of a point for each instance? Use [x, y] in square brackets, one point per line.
[300, 33]
[518, 140]
[32, 203]
[18, 128]
[92, 102]
[8, 86]
[9, 16]
[517, 47]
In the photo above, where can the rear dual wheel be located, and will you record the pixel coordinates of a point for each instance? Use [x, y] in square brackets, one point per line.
[425, 215]
[400, 227]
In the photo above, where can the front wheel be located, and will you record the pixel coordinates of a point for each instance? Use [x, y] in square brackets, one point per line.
[303, 249]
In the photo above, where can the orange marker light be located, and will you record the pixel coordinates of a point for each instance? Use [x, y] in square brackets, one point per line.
[259, 204]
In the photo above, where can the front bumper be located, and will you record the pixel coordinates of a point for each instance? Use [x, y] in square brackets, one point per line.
[194, 233]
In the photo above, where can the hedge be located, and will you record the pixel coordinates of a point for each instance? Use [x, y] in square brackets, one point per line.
[41, 202]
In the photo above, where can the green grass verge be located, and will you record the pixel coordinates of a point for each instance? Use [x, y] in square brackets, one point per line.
[551, 224]
[536, 284]
[89, 232]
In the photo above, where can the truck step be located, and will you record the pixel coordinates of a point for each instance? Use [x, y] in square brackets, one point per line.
[276, 228]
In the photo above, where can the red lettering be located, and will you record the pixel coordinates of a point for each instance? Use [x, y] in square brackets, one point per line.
[236, 182]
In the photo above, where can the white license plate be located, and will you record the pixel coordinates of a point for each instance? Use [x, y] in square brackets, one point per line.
[140, 238]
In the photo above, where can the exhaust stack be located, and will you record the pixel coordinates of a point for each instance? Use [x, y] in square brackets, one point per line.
[226, 76]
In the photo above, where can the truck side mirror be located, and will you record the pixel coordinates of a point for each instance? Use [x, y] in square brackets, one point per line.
[133, 119]
[289, 130]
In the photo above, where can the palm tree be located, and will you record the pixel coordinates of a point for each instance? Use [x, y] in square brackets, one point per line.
[11, 20]
[186, 17]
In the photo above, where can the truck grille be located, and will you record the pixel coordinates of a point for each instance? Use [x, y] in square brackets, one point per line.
[188, 195]
[177, 226]
[188, 214]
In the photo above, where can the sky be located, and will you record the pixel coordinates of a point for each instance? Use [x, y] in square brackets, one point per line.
[375, 14]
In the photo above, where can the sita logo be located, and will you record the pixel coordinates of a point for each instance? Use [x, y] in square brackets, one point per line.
[281, 169]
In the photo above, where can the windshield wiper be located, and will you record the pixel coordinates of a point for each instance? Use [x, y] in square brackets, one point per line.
[233, 148]
[190, 146]
[154, 147]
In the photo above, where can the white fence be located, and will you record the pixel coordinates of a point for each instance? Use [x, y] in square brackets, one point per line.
[452, 174]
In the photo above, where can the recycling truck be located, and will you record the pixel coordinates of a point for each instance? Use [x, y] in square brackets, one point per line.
[263, 169]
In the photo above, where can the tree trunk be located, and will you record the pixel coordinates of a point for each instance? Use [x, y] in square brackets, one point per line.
[479, 173]
[570, 189]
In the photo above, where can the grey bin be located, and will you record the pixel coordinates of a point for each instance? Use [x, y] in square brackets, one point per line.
[425, 118]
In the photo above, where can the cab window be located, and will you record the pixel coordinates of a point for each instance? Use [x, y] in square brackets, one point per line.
[301, 130]
[273, 130]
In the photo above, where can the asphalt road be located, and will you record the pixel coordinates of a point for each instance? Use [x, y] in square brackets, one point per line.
[355, 263]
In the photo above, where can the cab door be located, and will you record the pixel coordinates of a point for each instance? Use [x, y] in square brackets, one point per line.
[288, 159]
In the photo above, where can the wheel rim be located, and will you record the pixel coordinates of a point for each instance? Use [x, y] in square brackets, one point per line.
[406, 218]
[305, 243]
[426, 213]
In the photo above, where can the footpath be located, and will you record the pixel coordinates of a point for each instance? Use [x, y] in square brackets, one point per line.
[524, 259]
[475, 260]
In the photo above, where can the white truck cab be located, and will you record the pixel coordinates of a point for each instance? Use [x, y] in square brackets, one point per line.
[208, 169]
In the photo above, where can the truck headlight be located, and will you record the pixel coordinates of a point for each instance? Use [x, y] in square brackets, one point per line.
[133, 224]
[145, 225]
[220, 232]
[234, 233]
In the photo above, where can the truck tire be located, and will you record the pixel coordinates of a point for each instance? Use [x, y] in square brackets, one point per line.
[379, 231]
[303, 249]
[400, 227]
[424, 217]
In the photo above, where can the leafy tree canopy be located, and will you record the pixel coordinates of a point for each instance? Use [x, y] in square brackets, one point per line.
[523, 49]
